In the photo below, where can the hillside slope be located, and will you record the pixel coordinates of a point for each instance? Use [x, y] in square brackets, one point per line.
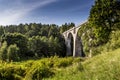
[104, 67]
[101, 67]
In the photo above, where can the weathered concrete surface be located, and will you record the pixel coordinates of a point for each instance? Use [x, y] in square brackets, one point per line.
[77, 43]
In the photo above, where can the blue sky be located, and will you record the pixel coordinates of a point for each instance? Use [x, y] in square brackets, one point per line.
[44, 11]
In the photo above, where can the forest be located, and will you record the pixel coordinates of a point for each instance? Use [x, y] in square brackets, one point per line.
[32, 41]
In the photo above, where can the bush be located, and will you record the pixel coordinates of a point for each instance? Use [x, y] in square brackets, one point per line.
[38, 71]
[11, 73]
[63, 62]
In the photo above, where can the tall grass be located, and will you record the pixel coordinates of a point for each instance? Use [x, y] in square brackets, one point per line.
[102, 67]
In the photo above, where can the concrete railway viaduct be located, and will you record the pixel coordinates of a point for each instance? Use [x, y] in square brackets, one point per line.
[77, 43]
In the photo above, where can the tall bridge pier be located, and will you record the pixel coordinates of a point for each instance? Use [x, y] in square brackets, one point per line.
[77, 43]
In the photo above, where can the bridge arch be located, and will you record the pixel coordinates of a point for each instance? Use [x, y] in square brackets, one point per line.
[70, 44]
[77, 43]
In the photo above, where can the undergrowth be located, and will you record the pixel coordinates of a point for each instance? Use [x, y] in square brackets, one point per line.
[34, 69]
[105, 66]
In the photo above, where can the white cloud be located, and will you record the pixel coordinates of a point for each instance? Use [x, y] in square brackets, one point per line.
[18, 9]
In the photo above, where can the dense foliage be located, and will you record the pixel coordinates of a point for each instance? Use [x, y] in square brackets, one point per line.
[34, 70]
[101, 31]
[104, 18]
[32, 41]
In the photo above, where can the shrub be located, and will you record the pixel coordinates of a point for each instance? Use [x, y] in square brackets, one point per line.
[38, 71]
[63, 62]
[11, 73]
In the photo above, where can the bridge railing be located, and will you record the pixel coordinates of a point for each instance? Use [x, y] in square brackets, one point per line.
[74, 28]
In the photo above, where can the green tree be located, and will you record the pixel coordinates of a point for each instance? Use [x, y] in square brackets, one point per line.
[103, 16]
[1, 31]
[18, 39]
[66, 26]
[38, 46]
[53, 31]
[3, 51]
[51, 45]
[56, 46]
[12, 53]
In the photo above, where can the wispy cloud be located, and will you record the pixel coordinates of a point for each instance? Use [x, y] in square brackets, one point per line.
[18, 9]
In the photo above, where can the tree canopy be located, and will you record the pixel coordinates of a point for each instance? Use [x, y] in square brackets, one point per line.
[32, 40]
[104, 16]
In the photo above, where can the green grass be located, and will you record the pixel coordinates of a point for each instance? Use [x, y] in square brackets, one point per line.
[105, 66]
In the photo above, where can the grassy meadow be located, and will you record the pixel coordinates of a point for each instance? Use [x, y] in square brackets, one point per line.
[101, 67]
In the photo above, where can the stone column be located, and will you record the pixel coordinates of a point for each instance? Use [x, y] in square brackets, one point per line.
[77, 48]
[68, 47]
[74, 46]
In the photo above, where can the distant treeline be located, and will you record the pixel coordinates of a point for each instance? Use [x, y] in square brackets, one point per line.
[32, 40]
